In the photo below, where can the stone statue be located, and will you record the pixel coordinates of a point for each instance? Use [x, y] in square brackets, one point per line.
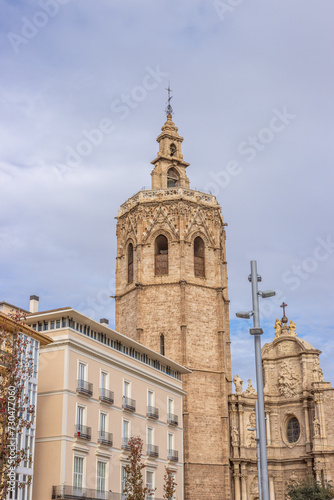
[235, 435]
[318, 376]
[287, 381]
[238, 384]
[292, 328]
[278, 327]
[250, 391]
[252, 419]
[316, 425]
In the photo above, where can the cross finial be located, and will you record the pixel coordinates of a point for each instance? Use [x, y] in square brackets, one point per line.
[169, 109]
[284, 319]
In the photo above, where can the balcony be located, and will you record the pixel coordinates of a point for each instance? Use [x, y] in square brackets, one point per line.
[152, 450]
[125, 443]
[128, 404]
[84, 388]
[105, 438]
[106, 396]
[173, 419]
[173, 455]
[83, 432]
[152, 412]
[70, 492]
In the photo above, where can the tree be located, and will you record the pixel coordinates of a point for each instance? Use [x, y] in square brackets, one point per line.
[169, 485]
[310, 489]
[134, 482]
[16, 412]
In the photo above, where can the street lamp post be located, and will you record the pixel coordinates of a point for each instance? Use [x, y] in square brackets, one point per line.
[257, 331]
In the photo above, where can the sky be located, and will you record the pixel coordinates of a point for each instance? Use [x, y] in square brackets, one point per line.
[82, 102]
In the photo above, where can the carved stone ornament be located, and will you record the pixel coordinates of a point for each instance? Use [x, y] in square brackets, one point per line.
[318, 376]
[288, 381]
[278, 327]
[250, 391]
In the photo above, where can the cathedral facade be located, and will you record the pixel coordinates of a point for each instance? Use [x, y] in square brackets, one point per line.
[299, 407]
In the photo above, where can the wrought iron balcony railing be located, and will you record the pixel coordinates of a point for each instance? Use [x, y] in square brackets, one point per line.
[82, 432]
[105, 438]
[125, 443]
[106, 396]
[65, 492]
[173, 455]
[129, 404]
[173, 419]
[152, 412]
[152, 450]
[85, 388]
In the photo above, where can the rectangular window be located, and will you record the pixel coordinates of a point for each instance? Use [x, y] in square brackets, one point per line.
[150, 484]
[150, 439]
[80, 415]
[123, 477]
[101, 479]
[78, 475]
[104, 380]
[170, 406]
[170, 441]
[58, 323]
[52, 325]
[81, 371]
[103, 422]
[150, 398]
[126, 429]
[126, 389]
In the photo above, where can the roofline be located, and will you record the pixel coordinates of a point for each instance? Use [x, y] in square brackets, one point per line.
[41, 337]
[126, 340]
[3, 302]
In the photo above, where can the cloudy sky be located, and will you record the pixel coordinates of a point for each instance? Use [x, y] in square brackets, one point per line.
[82, 102]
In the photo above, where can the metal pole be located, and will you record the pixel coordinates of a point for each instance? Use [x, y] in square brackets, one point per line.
[258, 452]
[259, 384]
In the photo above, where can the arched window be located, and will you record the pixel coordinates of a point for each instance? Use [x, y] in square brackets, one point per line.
[172, 149]
[161, 255]
[162, 344]
[130, 263]
[293, 430]
[172, 178]
[199, 267]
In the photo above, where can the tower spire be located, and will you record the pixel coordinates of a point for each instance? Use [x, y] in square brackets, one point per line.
[169, 109]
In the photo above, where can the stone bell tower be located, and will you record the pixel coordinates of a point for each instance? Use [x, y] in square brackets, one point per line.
[172, 296]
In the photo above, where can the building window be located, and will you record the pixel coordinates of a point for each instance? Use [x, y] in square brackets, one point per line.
[293, 430]
[78, 475]
[199, 267]
[150, 484]
[103, 422]
[81, 372]
[150, 398]
[161, 255]
[123, 483]
[172, 178]
[172, 149]
[162, 344]
[101, 479]
[126, 389]
[130, 263]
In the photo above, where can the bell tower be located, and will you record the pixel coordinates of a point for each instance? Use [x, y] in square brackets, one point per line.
[172, 296]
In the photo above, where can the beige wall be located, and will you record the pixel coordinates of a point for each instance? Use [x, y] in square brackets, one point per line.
[58, 401]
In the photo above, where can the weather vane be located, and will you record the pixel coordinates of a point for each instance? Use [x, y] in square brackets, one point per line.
[169, 109]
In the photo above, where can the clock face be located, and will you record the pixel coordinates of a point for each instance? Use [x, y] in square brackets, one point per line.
[172, 149]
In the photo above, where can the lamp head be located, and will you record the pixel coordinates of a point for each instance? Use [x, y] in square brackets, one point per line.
[244, 314]
[267, 293]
